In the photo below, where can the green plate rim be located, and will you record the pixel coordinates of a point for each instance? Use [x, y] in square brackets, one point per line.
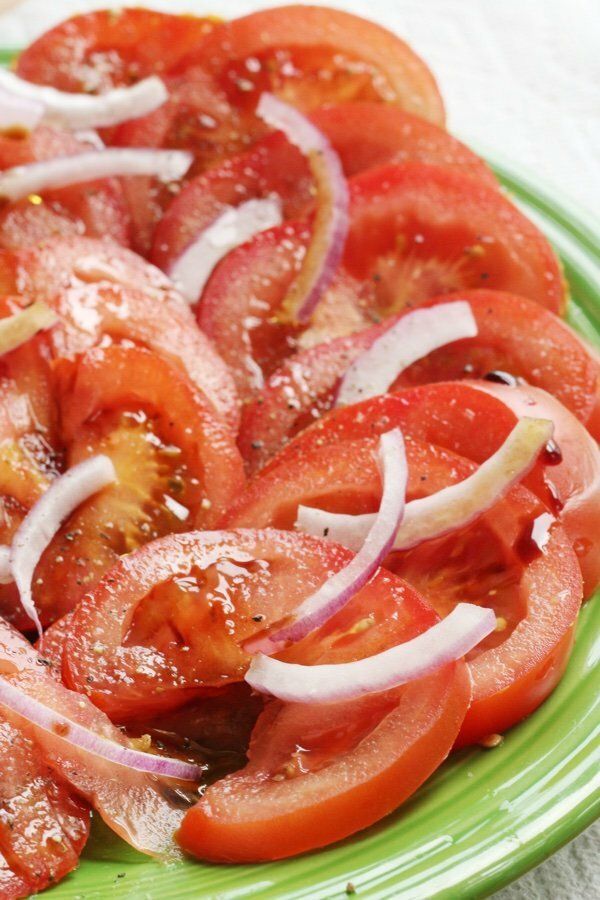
[576, 236]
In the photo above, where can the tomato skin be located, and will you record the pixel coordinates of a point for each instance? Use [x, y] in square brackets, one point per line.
[109, 48]
[126, 299]
[96, 208]
[522, 662]
[548, 354]
[177, 466]
[311, 36]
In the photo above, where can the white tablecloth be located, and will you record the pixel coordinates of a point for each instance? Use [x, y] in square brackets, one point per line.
[521, 78]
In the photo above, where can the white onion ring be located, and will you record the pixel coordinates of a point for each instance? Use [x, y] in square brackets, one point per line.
[45, 517]
[449, 509]
[74, 111]
[19, 112]
[445, 642]
[234, 226]
[413, 336]
[62, 171]
[24, 325]
[331, 221]
[341, 587]
[37, 713]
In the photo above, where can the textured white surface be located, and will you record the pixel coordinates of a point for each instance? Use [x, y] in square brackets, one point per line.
[520, 78]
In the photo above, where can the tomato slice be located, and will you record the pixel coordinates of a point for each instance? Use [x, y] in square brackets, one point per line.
[547, 354]
[109, 48]
[177, 466]
[416, 232]
[132, 803]
[100, 290]
[44, 826]
[196, 117]
[456, 416]
[364, 135]
[311, 55]
[318, 773]
[174, 614]
[96, 208]
[29, 442]
[535, 590]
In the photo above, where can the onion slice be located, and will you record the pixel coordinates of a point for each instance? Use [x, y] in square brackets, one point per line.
[445, 642]
[414, 336]
[19, 113]
[330, 225]
[5, 570]
[36, 712]
[235, 226]
[24, 325]
[449, 509]
[21, 181]
[74, 111]
[45, 517]
[338, 590]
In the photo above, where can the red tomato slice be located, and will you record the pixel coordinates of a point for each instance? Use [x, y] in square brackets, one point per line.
[318, 773]
[311, 55]
[177, 466]
[108, 48]
[363, 134]
[367, 135]
[96, 208]
[29, 442]
[196, 117]
[547, 354]
[44, 826]
[493, 562]
[130, 802]
[452, 415]
[174, 614]
[124, 298]
[416, 232]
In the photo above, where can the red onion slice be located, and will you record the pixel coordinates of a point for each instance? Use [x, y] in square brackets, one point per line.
[24, 325]
[338, 590]
[44, 519]
[73, 733]
[74, 111]
[235, 226]
[19, 112]
[19, 182]
[451, 508]
[445, 642]
[414, 336]
[330, 226]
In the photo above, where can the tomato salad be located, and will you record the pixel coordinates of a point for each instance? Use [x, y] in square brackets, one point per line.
[300, 485]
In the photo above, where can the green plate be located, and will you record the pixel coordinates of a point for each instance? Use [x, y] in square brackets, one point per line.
[486, 816]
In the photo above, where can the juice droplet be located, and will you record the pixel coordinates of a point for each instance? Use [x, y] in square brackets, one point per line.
[534, 537]
[552, 454]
